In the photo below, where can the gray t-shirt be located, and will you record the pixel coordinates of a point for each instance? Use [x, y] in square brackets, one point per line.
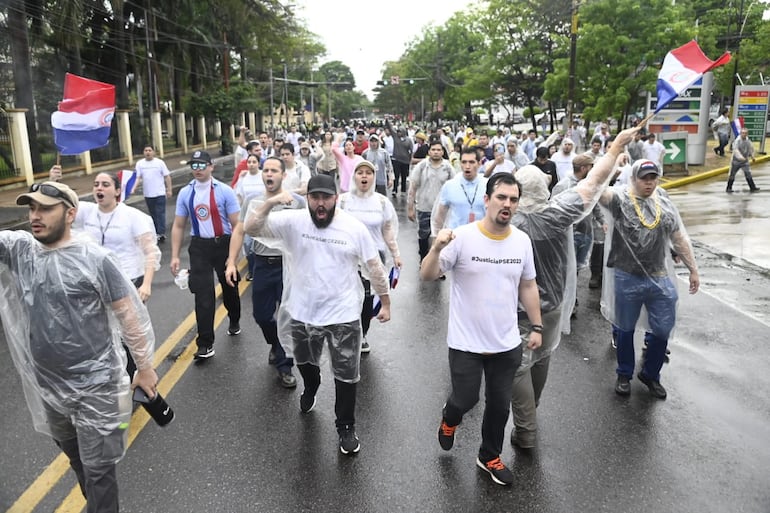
[635, 248]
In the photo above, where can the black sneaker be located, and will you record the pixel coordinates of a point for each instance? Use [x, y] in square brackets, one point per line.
[204, 352]
[287, 380]
[446, 435]
[365, 347]
[234, 328]
[161, 239]
[306, 402]
[595, 282]
[613, 341]
[623, 385]
[349, 443]
[497, 471]
[656, 389]
[271, 357]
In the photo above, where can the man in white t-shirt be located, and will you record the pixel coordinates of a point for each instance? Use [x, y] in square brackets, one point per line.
[563, 158]
[153, 173]
[653, 150]
[322, 295]
[493, 269]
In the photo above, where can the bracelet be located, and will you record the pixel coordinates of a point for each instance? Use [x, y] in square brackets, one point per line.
[537, 328]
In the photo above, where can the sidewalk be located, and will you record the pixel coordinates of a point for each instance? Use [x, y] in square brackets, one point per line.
[14, 217]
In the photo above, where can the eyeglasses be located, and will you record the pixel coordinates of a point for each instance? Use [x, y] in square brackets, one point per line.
[197, 166]
[51, 191]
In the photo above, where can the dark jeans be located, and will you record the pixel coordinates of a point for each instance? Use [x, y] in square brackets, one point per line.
[423, 233]
[734, 168]
[266, 291]
[466, 370]
[723, 140]
[381, 189]
[401, 171]
[208, 256]
[156, 207]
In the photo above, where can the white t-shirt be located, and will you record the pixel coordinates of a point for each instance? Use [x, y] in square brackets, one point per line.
[484, 297]
[653, 152]
[563, 164]
[250, 186]
[117, 231]
[296, 176]
[323, 265]
[153, 173]
[375, 211]
[506, 167]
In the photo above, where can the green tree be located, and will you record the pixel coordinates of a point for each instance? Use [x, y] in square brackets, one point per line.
[621, 45]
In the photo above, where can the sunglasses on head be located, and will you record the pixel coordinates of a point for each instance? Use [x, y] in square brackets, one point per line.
[51, 191]
[196, 166]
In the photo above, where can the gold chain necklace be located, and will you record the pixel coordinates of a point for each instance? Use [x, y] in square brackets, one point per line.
[640, 214]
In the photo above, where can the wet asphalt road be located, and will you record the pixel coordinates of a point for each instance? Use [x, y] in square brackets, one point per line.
[239, 442]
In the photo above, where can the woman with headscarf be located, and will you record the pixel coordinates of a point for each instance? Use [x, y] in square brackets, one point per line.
[376, 212]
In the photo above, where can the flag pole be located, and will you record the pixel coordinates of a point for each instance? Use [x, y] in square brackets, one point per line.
[646, 119]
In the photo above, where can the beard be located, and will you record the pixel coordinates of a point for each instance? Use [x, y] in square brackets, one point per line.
[326, 221]
[55, 234]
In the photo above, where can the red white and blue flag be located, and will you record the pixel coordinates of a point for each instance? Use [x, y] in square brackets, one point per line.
[127, 183]
[737, 125]
[84, 117]
[681, 69]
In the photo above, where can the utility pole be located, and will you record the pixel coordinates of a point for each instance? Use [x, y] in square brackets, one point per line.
[226, 62]
[286, 93]
[572, 66]
[272, 108]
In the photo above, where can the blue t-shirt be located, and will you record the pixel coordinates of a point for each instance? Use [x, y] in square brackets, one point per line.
[193, 203]
[463, 198]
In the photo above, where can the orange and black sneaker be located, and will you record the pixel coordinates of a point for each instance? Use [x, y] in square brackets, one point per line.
[446, 435]
[497, 471]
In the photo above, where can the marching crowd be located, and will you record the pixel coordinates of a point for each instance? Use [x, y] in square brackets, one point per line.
[315, 216]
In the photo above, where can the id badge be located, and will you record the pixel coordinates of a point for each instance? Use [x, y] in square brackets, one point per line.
[471, 217]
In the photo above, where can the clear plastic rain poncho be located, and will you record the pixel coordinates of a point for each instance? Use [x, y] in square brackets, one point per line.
[379, 216]
[639, 250]
[65, 312]
[549, 225]
[321, 285]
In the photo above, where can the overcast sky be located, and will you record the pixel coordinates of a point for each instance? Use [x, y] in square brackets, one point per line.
[363, 35]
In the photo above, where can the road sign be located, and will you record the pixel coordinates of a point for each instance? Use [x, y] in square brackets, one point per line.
[675, 151]
[394, 79]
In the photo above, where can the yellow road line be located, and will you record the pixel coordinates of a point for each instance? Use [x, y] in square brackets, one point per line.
[28, 501]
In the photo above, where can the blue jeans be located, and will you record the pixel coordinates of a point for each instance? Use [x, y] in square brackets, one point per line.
[266, 291]
[658, 295]
[583, 243]
[157, 209]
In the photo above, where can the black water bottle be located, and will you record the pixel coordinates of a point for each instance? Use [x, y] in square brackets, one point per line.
[157, 407]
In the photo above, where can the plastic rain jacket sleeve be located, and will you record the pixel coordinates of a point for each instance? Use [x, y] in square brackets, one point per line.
[549, 225]
[638, 250]
[64, 312]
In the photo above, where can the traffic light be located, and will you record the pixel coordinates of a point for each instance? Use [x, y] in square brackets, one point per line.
[410, 81]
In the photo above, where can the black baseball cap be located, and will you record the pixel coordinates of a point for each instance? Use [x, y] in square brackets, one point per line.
[322, 183]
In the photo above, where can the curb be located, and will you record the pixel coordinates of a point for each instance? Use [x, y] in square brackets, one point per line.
[687, 180]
